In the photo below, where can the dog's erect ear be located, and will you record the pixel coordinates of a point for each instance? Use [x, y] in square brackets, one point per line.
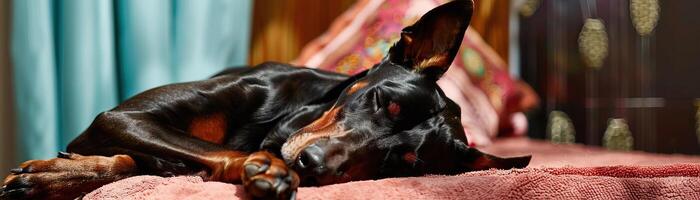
[429, 46]
[473, 159]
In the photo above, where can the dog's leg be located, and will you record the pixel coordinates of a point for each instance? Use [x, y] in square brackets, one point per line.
[65, 177]
[152, 148]
[72, 175]
[263, 174]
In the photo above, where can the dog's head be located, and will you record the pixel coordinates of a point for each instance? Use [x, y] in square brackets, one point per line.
[394, 120]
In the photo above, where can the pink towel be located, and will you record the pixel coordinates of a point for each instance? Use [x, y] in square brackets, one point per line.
[677, 181]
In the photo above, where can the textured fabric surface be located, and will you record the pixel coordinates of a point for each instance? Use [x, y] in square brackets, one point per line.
[478, 80]
[679, 181]
[556, 172]
[545, 154]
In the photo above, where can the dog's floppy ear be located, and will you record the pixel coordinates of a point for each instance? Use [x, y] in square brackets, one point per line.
[473, 159]
[429, 46]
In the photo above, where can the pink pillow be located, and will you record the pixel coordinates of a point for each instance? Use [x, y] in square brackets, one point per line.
[478, 81]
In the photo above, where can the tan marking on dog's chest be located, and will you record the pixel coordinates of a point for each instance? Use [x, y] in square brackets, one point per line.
[210, 128]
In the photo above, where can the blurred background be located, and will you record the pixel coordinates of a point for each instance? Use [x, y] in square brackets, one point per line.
[617, 74]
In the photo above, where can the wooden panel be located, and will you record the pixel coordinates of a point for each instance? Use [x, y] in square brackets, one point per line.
[282, 27]
[7, 122]
[677, 72]
[650, 82]
[491, 21]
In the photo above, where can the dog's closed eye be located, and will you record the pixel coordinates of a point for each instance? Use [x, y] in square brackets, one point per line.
[378, 101]
[393, 108]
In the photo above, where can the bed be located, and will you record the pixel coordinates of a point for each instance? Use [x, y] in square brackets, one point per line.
[556, 172]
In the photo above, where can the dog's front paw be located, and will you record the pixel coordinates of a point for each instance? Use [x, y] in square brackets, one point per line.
[65, 177]
[266, 176]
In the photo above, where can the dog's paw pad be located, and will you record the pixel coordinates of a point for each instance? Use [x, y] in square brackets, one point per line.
[266, 176]
[252, 169]
[260, 188]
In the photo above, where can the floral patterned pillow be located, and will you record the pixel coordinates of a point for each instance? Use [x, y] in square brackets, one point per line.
[491, 101]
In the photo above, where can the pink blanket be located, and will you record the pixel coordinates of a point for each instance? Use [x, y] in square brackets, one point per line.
[556, 173]
[680, 181]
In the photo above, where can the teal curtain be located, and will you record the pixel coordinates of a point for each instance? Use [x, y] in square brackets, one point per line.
[74, 59]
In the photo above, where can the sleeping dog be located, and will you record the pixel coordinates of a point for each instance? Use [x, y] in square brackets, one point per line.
[274, 127]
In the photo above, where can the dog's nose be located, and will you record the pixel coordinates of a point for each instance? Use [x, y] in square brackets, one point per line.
[311, 164]
[311, 160]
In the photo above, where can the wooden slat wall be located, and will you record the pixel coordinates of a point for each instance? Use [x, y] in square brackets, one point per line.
[491, 21]
[282, 27]
[7, 122]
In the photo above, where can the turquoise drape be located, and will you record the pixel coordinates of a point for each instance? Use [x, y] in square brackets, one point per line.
[74, 59]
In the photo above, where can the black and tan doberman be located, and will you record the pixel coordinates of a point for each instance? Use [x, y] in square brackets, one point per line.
[274, 127]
